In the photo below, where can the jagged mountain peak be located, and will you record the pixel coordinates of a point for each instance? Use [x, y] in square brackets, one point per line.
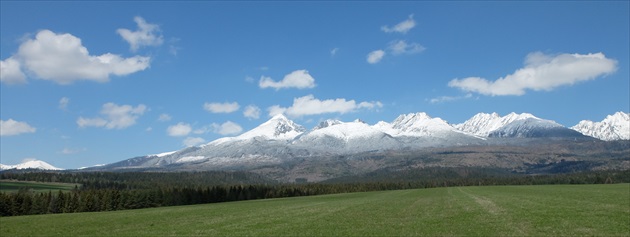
[416, 124]
[613, 127]
[485, 124]
[327, 123]
[279, 127]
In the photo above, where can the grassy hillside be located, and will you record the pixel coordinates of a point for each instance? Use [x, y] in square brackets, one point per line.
[14, 186]
[551, 210]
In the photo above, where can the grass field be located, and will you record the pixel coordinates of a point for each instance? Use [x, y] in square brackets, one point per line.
[551, 210]
[14, 186]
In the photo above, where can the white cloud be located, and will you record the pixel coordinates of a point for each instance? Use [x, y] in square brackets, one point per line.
[63, 59]
[442, 99]
[116, 116]
[401, 47]
[179, 130]
[146, 35]
[542, 72]
[251, 112]
[309, 105]
[12, 127]
[402, 27]
[63, 103]
[10, 72]
[300, 79]
[227, 128]
[375, 56]
[221, 107]
[164, 117]
[275, 110]
[193, 141]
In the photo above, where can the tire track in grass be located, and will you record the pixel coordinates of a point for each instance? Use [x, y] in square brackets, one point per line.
[497, 214]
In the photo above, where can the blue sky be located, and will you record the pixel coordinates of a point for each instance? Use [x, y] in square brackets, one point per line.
[87, 83]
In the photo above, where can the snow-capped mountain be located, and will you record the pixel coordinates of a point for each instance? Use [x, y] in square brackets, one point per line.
[613, 127]
[281, 140]
[513, 125]
[333, 136]
[417, 125]
[30, 164]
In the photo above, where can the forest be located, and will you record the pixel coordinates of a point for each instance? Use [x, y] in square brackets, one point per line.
[110, 191]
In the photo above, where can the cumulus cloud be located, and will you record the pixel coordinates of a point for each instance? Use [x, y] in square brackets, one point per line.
[146, 35]
[251, 112]
[275, 110]
[402, 47]
[179, 130]
[542, 72]
[10, 72]
[164, 117]
[114, 116]
[227, 128]
[193, 141]
[63, 103]
[375, 56]
[309, 105]
[402, 27]
[12, 127]
[221, 107]
[63, 59]
[300, 79]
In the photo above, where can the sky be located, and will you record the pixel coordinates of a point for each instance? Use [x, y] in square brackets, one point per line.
[87, 83]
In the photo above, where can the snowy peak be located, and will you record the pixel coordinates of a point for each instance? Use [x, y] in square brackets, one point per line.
[277, 128]
[613, 127]
[327, 123]
[484, 124]
[345, 131]
[417, 124]
[31, 164]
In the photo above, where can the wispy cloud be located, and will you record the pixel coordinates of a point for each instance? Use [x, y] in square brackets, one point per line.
[334, 51]
[402, 27]
[164, 117]
[146, 35]
[115, 116]
[375, 56]
[398, 47]
[69, 151]
[251, 112]
[63, 103]
[542, 72]
[299, 79]
[227, 107]
[443, 99]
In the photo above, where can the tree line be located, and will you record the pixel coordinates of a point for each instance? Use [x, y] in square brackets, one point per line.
[110, 191]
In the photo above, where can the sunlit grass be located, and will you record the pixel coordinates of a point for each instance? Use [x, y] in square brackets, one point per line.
[550, 210]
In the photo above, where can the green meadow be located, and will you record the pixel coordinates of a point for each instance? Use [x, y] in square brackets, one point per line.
[14, 186]
[545, 210]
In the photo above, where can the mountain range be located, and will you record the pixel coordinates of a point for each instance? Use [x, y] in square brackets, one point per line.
[280, 141]
[30, 164]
